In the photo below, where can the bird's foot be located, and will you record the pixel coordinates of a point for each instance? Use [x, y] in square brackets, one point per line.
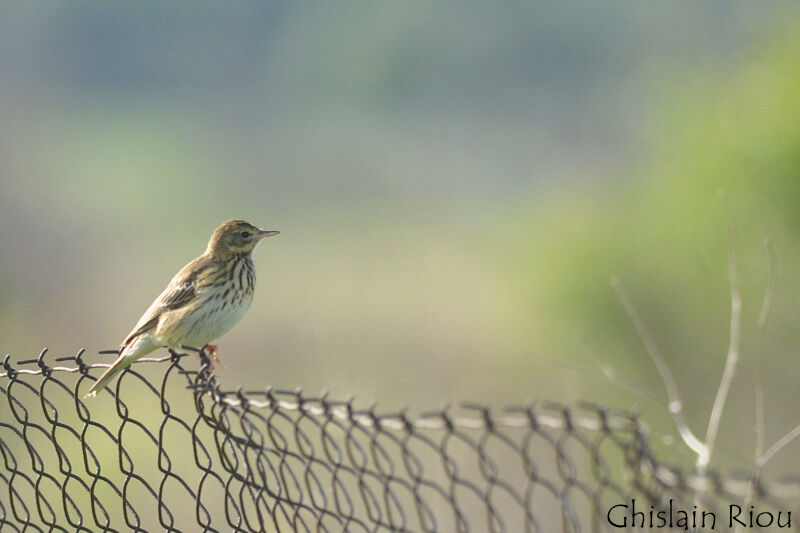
[210, 351]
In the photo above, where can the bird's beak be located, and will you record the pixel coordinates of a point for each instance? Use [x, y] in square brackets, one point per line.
[266, 233]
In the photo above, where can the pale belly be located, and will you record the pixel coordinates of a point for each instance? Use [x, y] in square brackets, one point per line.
[202, 327]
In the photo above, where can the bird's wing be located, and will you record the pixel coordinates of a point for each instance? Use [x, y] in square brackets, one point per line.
[180, 291]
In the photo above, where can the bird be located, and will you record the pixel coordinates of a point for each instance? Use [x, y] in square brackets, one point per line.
[202, 302]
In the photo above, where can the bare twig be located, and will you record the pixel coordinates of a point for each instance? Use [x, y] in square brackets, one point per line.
[763, 457]
[778, 446]
[758, 380]
[762, 325]
[779, 303]
[732, 358]
[675, 405]
[608, 372]
[613, 376]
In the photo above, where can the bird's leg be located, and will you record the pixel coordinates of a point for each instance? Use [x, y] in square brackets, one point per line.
[210, 350]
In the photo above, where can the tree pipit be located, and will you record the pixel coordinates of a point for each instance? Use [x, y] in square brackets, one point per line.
[202, 302]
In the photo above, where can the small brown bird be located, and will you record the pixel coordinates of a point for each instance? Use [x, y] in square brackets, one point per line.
[203, 301]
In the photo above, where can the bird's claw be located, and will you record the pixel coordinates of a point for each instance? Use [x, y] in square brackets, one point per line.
[210, 351]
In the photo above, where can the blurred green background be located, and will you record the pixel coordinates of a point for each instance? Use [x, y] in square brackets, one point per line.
[455, 184]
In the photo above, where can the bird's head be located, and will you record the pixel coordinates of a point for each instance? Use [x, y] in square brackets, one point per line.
[236, 236]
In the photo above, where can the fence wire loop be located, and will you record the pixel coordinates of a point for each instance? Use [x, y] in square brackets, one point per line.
[168, 448]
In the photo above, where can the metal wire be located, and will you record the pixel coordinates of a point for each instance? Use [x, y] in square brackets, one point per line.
[167, 449]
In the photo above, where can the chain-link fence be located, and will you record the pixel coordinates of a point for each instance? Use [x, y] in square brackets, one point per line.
[166, 449]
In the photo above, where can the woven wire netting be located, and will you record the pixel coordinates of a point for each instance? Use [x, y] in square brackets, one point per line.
[165, 448]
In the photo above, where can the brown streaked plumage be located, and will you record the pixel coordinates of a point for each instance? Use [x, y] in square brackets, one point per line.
[204, 300]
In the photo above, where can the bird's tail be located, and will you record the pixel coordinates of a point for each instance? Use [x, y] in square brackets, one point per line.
[127, 356]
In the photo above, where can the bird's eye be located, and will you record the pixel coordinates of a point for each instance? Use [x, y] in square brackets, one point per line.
[245, 234]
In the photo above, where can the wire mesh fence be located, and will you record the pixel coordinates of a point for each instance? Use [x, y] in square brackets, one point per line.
[166, 449]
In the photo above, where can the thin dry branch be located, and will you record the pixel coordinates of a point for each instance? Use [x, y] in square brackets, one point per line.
[778, 446]
[758, 380]
[766, 304]
[609, 373]
[613, 376]
[762, 458]
[731, 360]
[675, 405]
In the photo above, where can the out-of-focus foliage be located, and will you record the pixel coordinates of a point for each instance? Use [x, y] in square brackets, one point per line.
[726, 174]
